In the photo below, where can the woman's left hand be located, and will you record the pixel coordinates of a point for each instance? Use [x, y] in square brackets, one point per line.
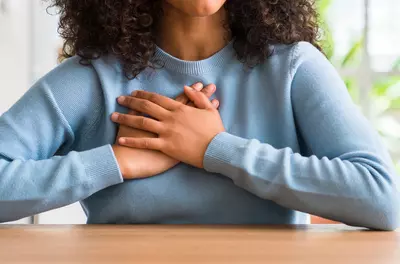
[184, 132]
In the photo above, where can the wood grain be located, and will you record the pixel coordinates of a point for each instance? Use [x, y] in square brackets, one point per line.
[196, 244]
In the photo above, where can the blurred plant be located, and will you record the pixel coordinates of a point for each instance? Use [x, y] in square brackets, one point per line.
[385, 97]
[385, 92]
[327, 42]
[396, 65]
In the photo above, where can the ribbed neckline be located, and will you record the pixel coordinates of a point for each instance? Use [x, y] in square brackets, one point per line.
[193, 67]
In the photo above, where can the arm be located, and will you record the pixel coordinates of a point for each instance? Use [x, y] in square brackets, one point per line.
[32, 179]
[349, 178]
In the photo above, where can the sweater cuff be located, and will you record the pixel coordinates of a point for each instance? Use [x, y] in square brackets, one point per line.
[101, 167]
[223, 153]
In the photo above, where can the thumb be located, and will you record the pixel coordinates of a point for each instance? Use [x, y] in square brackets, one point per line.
[199, 99]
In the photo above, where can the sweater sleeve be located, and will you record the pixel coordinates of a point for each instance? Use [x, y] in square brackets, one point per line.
[32, 179]
[349, 178]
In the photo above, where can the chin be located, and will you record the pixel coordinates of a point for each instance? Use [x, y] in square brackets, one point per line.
[197, 8]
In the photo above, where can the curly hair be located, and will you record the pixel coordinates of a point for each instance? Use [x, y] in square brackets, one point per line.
[127, 28]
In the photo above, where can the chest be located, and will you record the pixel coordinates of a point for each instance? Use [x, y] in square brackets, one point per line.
[253, 105]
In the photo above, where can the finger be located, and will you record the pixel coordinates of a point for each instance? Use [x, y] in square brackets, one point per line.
[138, 122]
[215, 103]
[209, 90]
[199, 99]
[163, 101]
[132, 112]
[142, 143]
[143, 106]
[183, 99]
[198, 86]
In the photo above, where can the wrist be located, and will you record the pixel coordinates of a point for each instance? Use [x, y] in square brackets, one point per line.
[225, 149]
[120, 160]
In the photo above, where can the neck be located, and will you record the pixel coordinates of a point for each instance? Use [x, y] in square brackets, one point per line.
[192, 38]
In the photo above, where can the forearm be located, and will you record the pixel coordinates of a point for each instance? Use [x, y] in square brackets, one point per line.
[29, 187]
[354, 188]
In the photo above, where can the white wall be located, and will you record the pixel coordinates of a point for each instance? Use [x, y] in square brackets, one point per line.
[28, 50]
[14, 49]
[14, 62]
[45, 49]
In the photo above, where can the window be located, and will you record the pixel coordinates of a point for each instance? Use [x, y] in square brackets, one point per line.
[363, 45]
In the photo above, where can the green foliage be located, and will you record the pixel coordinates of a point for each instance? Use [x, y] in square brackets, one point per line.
[385, 92]
[327, 42]
[352, 87]
[383, 87]
[396, 65]
[395, 104]
[323, 6]
[351, 56]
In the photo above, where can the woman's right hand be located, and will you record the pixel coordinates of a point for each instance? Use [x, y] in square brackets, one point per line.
[139, 163]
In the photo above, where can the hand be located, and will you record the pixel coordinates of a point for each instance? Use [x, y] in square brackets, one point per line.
[184, 132]
[138, 167]
[209, 90]
[126, 131]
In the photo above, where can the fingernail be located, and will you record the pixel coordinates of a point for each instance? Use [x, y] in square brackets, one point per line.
[121, 99]
[134, 93]
[198, 86]
[114, 117]
[122, 140]
[215, 103]
[213, 88]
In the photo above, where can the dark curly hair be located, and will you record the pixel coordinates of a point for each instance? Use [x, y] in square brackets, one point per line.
[127, 28]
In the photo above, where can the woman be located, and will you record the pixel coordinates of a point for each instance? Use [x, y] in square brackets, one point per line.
[286, 140]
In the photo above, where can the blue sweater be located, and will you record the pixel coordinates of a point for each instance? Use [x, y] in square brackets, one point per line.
[295, 145]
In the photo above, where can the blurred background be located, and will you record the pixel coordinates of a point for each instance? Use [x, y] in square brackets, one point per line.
[360, 37]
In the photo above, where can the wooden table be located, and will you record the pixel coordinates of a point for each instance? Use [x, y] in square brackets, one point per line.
[195, 244]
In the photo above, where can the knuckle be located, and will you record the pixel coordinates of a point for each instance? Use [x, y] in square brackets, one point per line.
[142, 122]
[129, 101]
[182, 99]
[146, 143]
[122, 118]
[181, 108]
[170, 130]
[139, 93]
[152, 97]
[180, 104]
[145, 105]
